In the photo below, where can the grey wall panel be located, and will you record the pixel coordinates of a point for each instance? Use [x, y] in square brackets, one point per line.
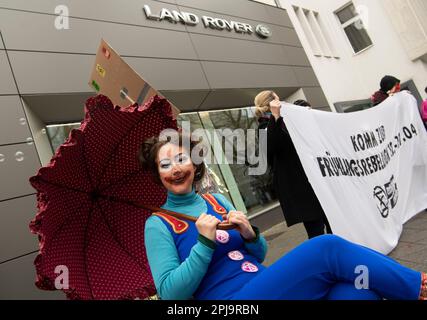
[296, 56]
[113, 10]
[17, 279]
[283, 35]
[108, 10]
[306, 77]
[7, 85]
[67, 73]
[226, 98]
[279, 16]
[20, 162]
[35, 5]
[168, 1]
[246, 9]
[15, 216]
[232, 75]
[232, 50]
[13, 125]
[50, 72]
[317, 98]
[170, 74]
[84, 37]
[40, 136]
[186, 100]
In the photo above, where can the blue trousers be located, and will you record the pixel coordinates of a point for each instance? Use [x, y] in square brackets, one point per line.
[328, 267]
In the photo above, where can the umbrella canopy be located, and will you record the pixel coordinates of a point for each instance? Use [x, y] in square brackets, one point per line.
[86, 221]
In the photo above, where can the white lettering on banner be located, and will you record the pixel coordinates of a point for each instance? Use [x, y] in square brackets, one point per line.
[368, 168]
[336, 166]
[191, 19]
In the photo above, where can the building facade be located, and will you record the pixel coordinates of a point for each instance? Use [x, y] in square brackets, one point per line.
[211, 70]
[353, 44]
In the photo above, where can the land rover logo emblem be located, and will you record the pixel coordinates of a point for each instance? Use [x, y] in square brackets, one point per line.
[263, 31]
[214, 23]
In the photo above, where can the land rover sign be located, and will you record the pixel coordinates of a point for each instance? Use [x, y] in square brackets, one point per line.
[191, 19]
[263, 31]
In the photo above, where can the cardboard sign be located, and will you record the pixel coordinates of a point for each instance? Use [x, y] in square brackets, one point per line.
[114, 78]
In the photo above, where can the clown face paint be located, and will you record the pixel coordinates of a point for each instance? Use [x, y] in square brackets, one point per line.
[176, 170]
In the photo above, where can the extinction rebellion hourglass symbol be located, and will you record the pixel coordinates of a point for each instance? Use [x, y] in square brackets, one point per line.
[386, 197]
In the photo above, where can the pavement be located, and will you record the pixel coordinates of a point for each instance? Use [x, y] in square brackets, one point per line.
[411, 250]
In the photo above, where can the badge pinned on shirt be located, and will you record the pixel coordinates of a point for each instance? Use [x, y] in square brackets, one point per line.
[235, 255]
[222, 236]
[249, 267]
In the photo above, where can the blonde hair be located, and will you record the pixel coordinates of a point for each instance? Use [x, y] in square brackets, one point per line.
[262, 102]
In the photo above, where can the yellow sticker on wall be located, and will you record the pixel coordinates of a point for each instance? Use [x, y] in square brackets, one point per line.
[100, 70]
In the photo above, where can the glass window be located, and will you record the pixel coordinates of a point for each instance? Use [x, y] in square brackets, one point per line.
[347, 13]
[357, 36]
[256, 190]
[353, 106]
[354, 28]
[214, 181]
[59, 133]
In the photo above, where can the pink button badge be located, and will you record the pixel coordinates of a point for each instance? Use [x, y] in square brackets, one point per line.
[249, 267]
[222, 236]
[235, 255]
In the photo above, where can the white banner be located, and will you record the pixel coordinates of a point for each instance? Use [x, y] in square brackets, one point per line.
[368, 168]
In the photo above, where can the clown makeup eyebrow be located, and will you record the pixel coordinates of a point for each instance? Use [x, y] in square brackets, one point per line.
[180, 158]
[165, 160]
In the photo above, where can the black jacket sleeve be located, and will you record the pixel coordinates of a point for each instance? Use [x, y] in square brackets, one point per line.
[276, 135]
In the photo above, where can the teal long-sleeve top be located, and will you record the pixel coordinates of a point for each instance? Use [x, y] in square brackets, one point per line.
[175, 280]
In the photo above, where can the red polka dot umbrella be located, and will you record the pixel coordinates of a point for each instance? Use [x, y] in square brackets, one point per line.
[86, 221]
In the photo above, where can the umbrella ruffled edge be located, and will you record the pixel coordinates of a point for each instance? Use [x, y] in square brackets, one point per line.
[44, 282]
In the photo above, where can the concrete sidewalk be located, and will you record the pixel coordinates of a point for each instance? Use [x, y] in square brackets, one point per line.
[411, 250]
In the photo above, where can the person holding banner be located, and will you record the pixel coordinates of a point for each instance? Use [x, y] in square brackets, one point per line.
[389, 85]
[296, 196]
[424, 111]
[195, 260]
